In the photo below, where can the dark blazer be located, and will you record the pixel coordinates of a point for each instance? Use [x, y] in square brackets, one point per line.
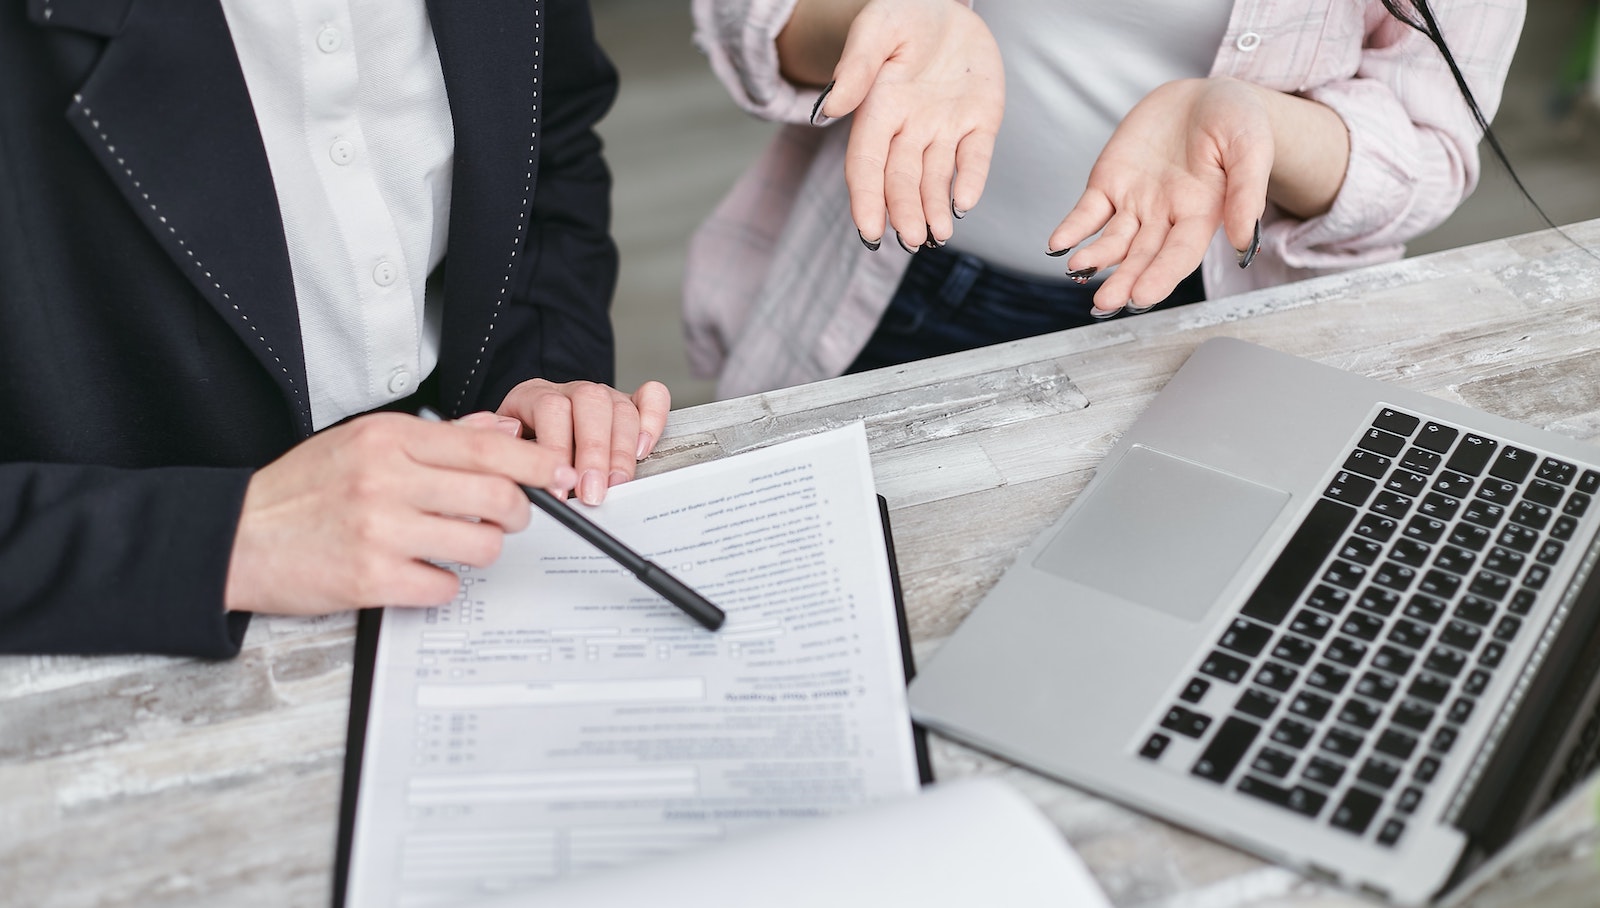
[150, 352]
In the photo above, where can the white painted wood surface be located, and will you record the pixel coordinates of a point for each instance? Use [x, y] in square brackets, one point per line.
[154, 781]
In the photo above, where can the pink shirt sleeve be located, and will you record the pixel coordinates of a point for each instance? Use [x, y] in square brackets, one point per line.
[738, 37]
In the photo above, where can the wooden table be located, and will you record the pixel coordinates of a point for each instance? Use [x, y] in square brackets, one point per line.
[146, 781]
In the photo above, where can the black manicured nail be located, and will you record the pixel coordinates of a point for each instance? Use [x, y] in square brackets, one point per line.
[1104, 313]
[1058, 253]
[1246, 256]
[957, 213]
[817, 107]
[1082, 275]
[870, 244]
[933, 242]
[1138, 310]
[910, 249]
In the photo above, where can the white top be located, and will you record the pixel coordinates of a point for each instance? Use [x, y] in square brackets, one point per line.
[1063, 100]
[352, 109]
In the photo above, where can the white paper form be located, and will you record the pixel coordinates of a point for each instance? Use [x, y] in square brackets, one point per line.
[560, 717]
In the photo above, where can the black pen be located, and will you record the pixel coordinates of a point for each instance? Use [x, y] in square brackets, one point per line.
[649, 573]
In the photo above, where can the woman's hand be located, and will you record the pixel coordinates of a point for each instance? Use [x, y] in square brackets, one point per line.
[601, 431]
[926, 84]
[1191, 155]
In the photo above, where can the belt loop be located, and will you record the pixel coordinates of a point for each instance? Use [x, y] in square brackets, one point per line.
[963, 274]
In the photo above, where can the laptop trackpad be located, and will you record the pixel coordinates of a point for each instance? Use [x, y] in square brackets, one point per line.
[1163, 532]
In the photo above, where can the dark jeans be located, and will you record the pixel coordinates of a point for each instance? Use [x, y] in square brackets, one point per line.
[950, 301]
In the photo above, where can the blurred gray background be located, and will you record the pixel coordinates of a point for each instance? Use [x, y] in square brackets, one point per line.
[676, 143]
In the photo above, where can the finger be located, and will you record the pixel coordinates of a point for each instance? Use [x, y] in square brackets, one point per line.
[461, 541]
[479, 451]
[973, 155]
[593, 410]
[938, 171]
[868, 44]
[485, 497]
[412, 584]
[1185, 246]
[1117, 291]
[866, 156]
[902, 184]
[550, 418]
[624, 440]
[1110, 247]
[1092, 212]
[1245, 198]
[653, 402]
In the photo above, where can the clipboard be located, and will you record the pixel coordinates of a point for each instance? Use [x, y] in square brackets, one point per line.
[369, 627]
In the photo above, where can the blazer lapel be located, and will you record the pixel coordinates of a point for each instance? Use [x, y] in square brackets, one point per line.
[492, 57]
[167, 113]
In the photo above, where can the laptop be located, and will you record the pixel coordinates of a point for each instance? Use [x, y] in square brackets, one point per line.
[1348, 627]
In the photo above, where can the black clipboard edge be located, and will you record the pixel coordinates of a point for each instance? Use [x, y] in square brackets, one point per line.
[369, 624]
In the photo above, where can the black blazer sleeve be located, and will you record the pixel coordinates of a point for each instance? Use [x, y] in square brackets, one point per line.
[559, 327]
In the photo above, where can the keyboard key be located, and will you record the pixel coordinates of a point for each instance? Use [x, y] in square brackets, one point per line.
[1552, 470]
[1405, 482]
[1396, 744]
[1507, 629]
[1277, 677]
[1425, 529]
[1329, 599]
[1497, 491]
[1460, 711]
[1512, 465]
[1273, 762]
[1490, 586]
[1155, 746]
[1521, 603]
[1563, 529]
[1455, 560]
[1472, 455]
[1358, 713]
[1293, 649]
[1546, 493]
[1299, 799]
[1409, 634]
[1350, 488]
[1323, 771]
[1377, 527]
[1577, 505]
[1427, 768]
[1355, 811]
[1483, 513]
[1453, 484]
[1377, 685]
[1430, 688]
[1395, 576]
[1328, 678]
[1245, 637]
[1425, 609]
[1589, 483]
[1440, 507]
[1518, 537]
[1311, 707]
[1345, 651]
[1380, 442]
[1435, 437]
[1186, 722]
[1324, 526]
[1342, 742]
[1345, 573]
[1477, 681]
[1292, 734]
[1409, 798]
[1532, 515]
[1195, 691]
[1469, 536]
[1493, 652]
[1378, 600]
[1361, 551]
[1421, 460]
[1362, 626]
[1502, 560]
[1414, 716]
[1226, 749]
[1379, 773]
[1462, 635]
[1537, 577]
[1439, 583]
[1443, 740]
[1311, 623]
[1257, 703]
[1396, 421]
[1393, 660]
[1219, 664]
[1368, 464]
[1391, 505]
[1390, 832]
[1550, 552]
[1475, 609]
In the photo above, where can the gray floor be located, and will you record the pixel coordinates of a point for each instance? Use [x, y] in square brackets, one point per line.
[676, 143]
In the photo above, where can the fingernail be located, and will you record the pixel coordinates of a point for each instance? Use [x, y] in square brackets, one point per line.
[870, 244]
[817, 107]
[1082, 275]
[564, 478]
[510, 425]
[616, 477]
[1058, 253]
[645, 444]
[957, 213]
[479, 419]
[1097, 312]
[1137, 310]
[592, 487]
[1246, 256]
[910, 249]
[933, 242]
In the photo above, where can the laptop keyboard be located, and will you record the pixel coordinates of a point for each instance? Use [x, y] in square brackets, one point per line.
[1343, 683]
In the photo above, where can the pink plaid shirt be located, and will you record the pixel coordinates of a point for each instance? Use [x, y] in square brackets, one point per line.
[779, 291]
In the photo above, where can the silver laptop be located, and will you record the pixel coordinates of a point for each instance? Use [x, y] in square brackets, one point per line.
[1345, 626]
